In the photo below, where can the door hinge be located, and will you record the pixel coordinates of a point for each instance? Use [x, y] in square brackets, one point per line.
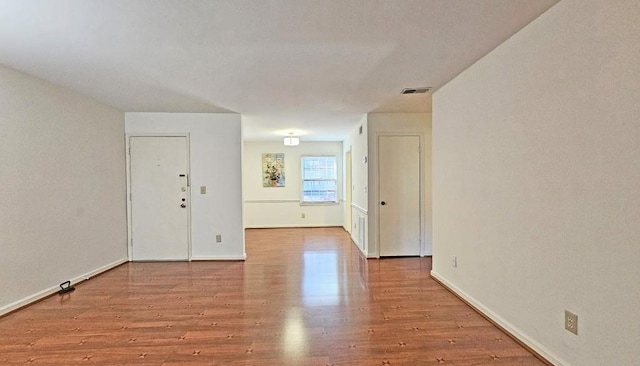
[129, 150]
[131, 242]
[130, 196]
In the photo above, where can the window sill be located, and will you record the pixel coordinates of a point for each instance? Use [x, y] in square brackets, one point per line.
[331, 203]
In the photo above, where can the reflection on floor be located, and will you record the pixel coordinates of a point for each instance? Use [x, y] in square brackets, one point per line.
[303, 297]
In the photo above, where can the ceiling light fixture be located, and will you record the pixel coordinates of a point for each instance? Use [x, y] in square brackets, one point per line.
[291, 141]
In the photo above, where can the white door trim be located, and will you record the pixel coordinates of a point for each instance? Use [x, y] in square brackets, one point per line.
[348, 193]
[128, 173]
[376, 208]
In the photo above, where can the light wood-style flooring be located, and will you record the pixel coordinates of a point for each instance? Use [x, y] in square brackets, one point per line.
[302, 297]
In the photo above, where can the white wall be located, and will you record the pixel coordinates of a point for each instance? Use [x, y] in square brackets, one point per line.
[266, 207]
[62, 175]
[357, 142]
[400, 124]
[536, 187]
[215, 153]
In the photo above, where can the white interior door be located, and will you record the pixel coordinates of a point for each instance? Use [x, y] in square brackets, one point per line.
[399, 195]
[159, 198]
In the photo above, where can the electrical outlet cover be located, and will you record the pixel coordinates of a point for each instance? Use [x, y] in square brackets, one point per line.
[571, 322]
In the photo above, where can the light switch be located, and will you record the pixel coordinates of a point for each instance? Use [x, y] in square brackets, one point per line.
[203, 189]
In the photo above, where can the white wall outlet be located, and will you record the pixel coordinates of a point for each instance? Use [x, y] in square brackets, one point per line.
[218, 238]
[303, 215]
[571, 322]
[454, 261]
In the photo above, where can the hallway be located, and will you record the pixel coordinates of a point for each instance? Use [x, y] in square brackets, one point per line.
[304, 296]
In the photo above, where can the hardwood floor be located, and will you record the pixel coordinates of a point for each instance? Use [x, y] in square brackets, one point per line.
[303, 297]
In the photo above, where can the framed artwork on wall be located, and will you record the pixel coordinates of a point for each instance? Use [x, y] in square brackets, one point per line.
[273, 170]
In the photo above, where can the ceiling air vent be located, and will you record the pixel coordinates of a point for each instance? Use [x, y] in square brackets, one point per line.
[420, 90]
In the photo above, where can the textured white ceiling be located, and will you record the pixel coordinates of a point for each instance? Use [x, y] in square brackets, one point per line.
[314, 67]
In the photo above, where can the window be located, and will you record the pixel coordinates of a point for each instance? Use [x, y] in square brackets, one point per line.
[319, 179]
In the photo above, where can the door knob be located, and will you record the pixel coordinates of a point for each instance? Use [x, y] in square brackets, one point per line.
[383, 203]
[183, 205]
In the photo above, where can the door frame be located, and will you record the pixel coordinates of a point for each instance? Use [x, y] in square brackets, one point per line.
[348, 191]
[421, 157]
[127, 154]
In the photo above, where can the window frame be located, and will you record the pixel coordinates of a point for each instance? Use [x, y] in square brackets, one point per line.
[335, 180]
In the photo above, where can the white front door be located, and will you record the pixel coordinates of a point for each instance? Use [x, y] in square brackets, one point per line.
[159, 198]
[399, 195]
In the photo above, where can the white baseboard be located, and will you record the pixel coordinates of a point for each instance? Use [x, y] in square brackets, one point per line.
[355, 242]
[221, 258]
[52, 290]
[507, 326]
[289, 226]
